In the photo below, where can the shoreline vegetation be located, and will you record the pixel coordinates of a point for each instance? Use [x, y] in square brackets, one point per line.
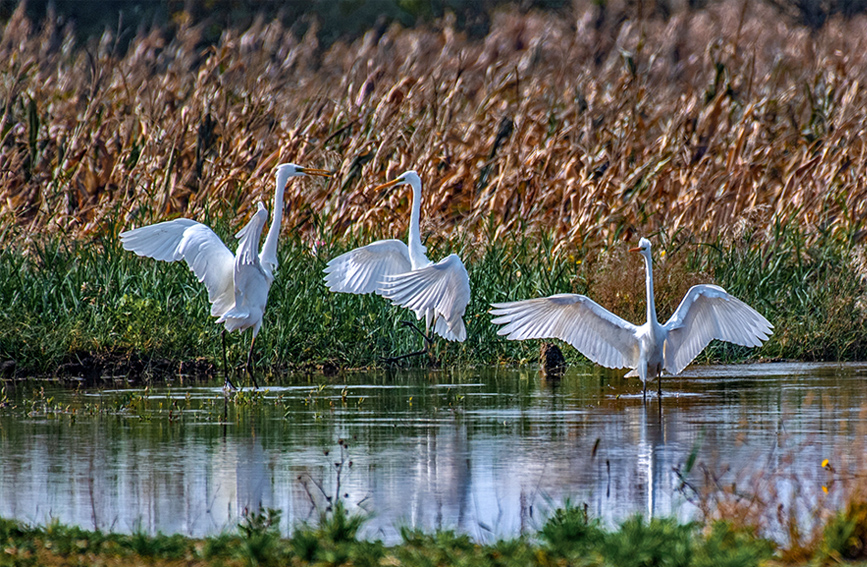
[97, 312]
[731, 136]
[568, 537]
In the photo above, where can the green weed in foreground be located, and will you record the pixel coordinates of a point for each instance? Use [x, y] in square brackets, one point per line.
[569, 537]
[72, 302]
[570, 532]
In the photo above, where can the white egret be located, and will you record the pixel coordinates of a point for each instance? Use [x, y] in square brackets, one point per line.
[707, 312]
[238, 283]
[402, 273]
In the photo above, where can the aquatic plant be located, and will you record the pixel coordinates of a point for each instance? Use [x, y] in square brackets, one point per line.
[844, 537]
[726, 545]
[651, 543]
[635, 542]
[571, 532]
[333, 540]
[260, 537]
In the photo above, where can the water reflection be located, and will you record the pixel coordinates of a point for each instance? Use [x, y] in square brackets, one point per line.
[486, 452]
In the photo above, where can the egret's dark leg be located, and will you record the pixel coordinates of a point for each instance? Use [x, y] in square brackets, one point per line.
[407, 355]
[250, 362]
[426, 350]
[426, 338]
[228, 385]
[659, 384]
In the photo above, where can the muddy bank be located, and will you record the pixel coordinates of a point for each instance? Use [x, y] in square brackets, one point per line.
[102, 369]
[90, 369]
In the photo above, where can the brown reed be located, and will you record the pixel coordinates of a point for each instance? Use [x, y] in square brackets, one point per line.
[591, 128]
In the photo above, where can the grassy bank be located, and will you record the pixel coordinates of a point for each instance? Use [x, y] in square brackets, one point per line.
[68, 302]
[568, 537]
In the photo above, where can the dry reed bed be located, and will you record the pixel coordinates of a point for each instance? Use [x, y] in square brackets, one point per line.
[589, 128]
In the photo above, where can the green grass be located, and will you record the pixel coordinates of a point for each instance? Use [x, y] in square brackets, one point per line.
[568, 537]
[66, 302]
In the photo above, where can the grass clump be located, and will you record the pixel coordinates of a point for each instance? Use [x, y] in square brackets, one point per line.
[728, 545]
[844, 537]
[334, 540]
[569, 532]
[260, 538]
[659, 542]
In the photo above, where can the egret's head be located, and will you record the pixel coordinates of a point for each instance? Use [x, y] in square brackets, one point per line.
[287, 170]
[406, 178]
[643, 247]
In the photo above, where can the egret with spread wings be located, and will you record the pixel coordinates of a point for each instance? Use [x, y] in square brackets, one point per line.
[707, 312]
[237, 283]
[438, 292]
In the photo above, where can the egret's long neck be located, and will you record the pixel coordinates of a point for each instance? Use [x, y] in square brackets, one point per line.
[651, 306]
[269, 250]
[417, 251]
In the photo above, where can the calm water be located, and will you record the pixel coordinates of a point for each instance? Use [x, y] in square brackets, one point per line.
[485, 451]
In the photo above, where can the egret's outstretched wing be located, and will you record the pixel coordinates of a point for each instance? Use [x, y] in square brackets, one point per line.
[363, 269]
[709, 312]
[598, 334]
[440, 292]
[204, 252]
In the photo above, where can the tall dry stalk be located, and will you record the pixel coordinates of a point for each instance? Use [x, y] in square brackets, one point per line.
[592, 128]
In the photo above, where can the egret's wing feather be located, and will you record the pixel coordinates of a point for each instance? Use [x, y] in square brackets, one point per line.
[708, 312]
[204, 252]
[442, 289]
[159, 241]
[598, 334]
[247, 253]
[362, 270]
[249, 277]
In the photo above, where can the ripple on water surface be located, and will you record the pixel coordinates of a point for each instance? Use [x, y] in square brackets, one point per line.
[484, 451]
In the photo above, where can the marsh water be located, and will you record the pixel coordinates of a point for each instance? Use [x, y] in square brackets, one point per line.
[488, 452]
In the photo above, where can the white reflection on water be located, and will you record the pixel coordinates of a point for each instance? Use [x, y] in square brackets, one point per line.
[487, 453]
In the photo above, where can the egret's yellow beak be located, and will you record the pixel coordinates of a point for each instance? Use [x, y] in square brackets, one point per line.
[391, 183]
[636, 249]
[318, 172]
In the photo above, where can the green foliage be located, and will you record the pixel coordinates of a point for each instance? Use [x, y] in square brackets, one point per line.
[260, 537]
[160, 546]
[333, 540]
[727, 545]
[659, 542]
[218, 546]
[810, 293]
[569, 532]
[845, 535]
[338, 525]
[567, 538]
[305, 543]
[67, 302]
[443, 547]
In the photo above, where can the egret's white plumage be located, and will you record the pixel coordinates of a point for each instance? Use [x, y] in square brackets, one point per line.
[438, 292]
[238, 283]
[707, 312]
